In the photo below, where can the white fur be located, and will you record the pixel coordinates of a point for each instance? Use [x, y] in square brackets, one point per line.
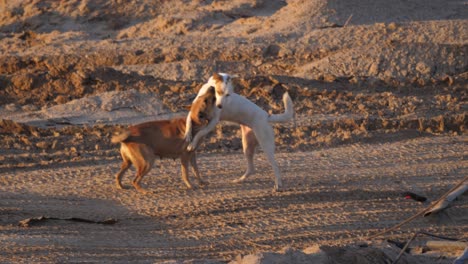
[254, 123]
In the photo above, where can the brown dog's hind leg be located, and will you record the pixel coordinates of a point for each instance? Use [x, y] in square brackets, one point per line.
[118, 177]
[193, 162]
[123, 168]
[143, 162]
[141, 171]
[184, 160]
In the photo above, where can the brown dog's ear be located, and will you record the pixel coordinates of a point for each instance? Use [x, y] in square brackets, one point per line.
[217, 77]
[187, 107]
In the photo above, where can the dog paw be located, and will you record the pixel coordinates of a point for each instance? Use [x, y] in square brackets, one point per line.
[278, 188]
[204, 183]
[120, 187]
[144, 191]
[241, 179]
[191, 147]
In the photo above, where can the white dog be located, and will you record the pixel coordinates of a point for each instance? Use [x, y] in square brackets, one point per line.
[253, 120]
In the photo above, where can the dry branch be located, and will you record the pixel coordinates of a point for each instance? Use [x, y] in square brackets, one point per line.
[442, 205]
[446, 245]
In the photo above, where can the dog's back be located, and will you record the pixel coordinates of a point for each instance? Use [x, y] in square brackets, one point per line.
[164, 137]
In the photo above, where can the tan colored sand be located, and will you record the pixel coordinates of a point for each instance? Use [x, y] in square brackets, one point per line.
[380, 93]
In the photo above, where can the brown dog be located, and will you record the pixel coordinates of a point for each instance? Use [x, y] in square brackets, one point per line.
[141, 144]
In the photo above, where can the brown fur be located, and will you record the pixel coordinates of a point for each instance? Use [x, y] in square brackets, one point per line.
[141, 144]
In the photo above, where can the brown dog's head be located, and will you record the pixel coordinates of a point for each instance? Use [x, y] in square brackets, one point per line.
[202, 109]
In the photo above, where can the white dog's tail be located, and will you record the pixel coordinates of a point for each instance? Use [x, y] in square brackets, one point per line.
[288, 113]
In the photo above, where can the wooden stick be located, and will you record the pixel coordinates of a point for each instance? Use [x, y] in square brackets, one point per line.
[442, 205]
[446, 245]
[404, 248]
[347, 21]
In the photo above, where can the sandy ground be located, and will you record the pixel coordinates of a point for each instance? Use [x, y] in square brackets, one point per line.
[334, 196]
[380, 92]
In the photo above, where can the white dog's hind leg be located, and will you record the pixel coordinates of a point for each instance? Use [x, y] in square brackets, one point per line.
[249, 143]
[266, 138]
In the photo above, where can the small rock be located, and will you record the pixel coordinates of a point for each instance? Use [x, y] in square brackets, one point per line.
[423, 68]
[257, 62]
[139, 52]
[285, 52]
[43, 145]
[11, 107]
[448, 79]
[29, 108]
[374, 69]
[392, 26]
[329, 77]
[60, 99]
[54, 144]
[175, 88]
[23, 82]
[25, 140]
[271, 51]
[354, 80]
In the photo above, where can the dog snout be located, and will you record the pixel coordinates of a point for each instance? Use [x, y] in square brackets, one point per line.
[219, 106]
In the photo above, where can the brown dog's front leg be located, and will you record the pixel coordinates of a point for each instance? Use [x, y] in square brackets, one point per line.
[184, 168]
[193, 162]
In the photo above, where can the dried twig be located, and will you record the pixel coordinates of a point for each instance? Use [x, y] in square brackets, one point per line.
[31, 221]
[444, 204]
[347, 21]
[404, 248]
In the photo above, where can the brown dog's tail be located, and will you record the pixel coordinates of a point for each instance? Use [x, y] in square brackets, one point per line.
[122, 136]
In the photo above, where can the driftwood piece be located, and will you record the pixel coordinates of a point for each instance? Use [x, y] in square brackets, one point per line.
[32, 221]
[443, 204]
[446, 245]
[422, 212]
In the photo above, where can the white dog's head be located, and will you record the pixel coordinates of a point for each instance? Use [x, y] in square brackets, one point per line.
[222, 82]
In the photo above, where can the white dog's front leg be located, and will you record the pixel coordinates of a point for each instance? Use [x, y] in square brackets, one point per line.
[203, 132]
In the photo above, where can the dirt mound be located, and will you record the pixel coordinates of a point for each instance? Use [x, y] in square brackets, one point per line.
[405, 42]
[337, 255]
